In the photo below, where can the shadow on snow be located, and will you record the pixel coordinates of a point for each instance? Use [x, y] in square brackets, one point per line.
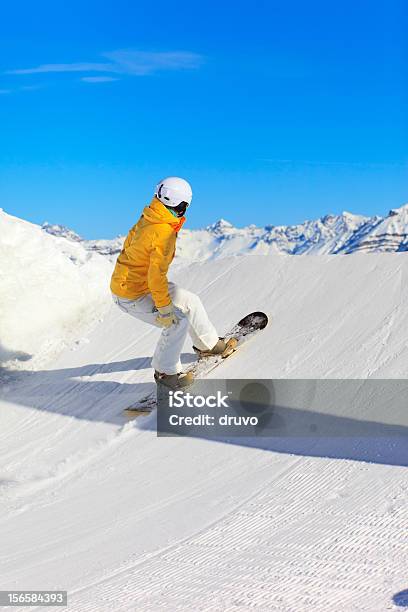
[68, 392]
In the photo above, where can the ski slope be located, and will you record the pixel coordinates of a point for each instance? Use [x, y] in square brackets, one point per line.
[126, 521]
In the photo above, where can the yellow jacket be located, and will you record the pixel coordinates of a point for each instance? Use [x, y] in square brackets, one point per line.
[146, 255]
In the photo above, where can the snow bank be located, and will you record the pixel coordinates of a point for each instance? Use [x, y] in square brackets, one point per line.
[50, 288]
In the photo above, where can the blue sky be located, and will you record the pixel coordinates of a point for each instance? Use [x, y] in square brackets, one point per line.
[274, 111]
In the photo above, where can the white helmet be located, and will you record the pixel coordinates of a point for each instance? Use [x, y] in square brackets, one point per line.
[173, 191]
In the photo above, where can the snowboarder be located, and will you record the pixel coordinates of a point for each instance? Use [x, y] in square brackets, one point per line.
[140, 287]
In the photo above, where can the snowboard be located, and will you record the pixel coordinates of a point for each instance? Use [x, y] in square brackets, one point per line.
[239, 335]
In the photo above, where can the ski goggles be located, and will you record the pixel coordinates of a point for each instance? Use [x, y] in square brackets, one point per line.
[180, 209]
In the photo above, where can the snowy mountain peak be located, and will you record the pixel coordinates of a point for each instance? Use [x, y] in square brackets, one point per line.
[383, 234]
[402, 210]
[345, 218]
[61, 231]
[220, 226]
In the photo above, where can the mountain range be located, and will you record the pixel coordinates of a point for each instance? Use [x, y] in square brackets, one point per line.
[331, 234]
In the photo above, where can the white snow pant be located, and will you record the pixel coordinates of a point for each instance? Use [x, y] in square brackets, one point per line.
[192, 319]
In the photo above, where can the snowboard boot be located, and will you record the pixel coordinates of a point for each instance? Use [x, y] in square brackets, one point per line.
[222, 347]
[174, 381]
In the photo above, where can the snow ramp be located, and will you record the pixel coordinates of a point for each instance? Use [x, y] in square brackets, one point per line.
[126, 521]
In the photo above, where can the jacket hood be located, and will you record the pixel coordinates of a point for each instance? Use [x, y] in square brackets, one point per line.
[156, 212]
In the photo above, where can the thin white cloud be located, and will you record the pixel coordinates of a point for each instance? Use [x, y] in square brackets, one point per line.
[125, 61]
[99, 79]
[15, 90]
[142, 62]
[80, 67]
[30, 87]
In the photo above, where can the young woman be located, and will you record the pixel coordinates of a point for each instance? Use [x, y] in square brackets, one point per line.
[140, 287]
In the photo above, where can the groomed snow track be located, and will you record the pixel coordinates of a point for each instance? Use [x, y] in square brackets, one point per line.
[126, 521]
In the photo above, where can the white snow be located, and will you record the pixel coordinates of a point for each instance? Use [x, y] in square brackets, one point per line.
[51, 288]
[127, 521]
[391, 234]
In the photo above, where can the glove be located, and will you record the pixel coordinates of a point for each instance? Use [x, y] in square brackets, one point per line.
[166, 316]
